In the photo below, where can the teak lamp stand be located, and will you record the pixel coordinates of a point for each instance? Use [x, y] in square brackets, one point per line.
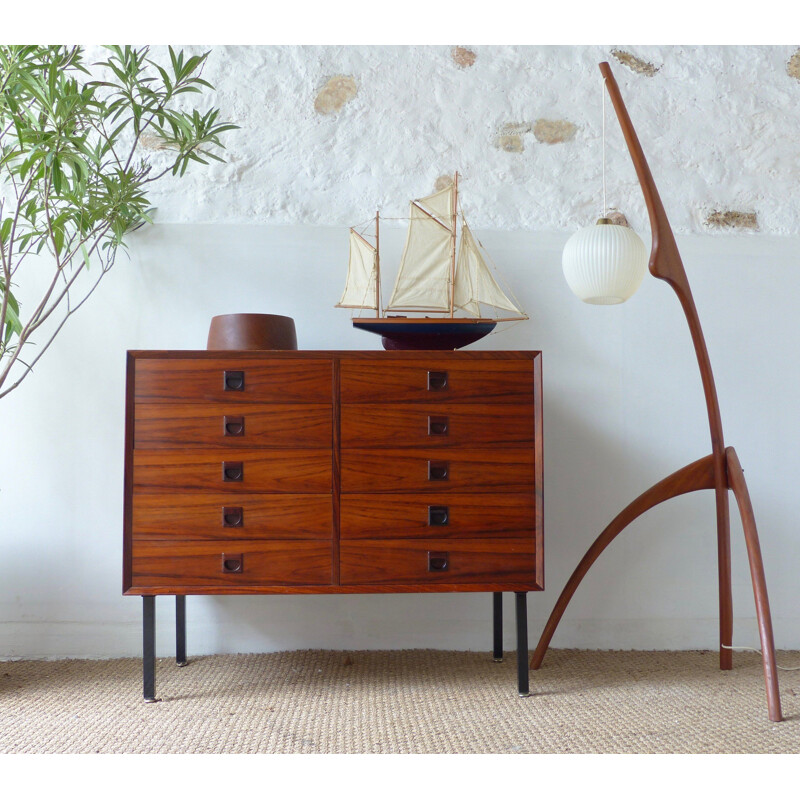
[720, 471]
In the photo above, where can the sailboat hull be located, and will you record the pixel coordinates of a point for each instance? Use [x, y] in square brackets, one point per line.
[426, 334]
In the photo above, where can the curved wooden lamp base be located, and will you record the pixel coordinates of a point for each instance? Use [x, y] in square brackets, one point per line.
[720, 471]
[691, 478]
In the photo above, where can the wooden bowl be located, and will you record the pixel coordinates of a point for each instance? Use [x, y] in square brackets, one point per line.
[252, 332]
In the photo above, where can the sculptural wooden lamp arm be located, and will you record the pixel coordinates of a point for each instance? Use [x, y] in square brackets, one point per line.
[719, 471]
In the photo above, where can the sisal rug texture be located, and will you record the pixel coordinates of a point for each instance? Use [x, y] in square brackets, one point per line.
[407, 701]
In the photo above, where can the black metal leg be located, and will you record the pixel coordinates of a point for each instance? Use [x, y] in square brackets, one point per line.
[522, 644]
[180, 630]
[497, 652]
[149, 648]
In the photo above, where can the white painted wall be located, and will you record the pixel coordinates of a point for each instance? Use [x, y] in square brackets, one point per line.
[623, 408]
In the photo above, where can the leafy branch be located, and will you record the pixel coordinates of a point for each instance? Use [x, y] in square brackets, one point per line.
[73, 182]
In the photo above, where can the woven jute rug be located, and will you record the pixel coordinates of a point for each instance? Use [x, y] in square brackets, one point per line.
[407, 701]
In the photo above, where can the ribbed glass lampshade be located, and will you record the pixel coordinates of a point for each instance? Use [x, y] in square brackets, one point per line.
[604, 263]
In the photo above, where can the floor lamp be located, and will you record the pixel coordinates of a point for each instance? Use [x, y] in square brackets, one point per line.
[720, 471]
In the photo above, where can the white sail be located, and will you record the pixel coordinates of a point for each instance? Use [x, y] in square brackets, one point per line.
[474, 281]
[466, 271]
[440, 205]
[359, 290]
[424, 276]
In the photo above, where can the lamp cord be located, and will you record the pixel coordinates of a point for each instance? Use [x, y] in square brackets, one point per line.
[756, 650]
[603, 90]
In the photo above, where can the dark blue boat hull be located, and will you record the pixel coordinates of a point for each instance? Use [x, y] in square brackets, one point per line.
[402, 334]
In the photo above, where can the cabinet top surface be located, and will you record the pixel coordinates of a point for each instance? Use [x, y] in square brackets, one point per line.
[379, 354]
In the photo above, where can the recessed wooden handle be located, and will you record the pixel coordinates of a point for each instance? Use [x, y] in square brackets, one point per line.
[232, 471]
[438, 515]
[437, 426]
[233, 380]
[438, 561]
[437, 381]
[233, 426]
[232, 517]
[438, 470]
[232, 562]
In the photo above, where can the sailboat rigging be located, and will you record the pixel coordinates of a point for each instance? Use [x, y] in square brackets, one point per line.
[434, 277]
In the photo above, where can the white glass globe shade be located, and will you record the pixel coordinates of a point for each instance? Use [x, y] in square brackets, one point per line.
[604, 263]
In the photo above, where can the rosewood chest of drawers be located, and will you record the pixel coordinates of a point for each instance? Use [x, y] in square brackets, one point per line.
[324, 472]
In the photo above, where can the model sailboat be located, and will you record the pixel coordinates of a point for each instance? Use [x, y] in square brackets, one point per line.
[436, 276]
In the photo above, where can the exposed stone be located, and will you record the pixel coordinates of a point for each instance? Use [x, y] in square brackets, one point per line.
[463, 57]
[339, 89]
[442, 182]
[548, 131]
[635, 64]
[510, 142]
[747, 220]
[554, 131]
[517, 127]
[618, 218]
[793, 66]
[152, 142]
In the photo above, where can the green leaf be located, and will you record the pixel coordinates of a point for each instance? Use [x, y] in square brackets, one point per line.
[85, 254]
[13, 322]
[68, 140]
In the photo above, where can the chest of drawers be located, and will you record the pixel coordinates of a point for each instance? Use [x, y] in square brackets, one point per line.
[324, 472]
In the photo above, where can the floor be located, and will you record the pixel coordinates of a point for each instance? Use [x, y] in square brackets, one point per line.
[408, 701]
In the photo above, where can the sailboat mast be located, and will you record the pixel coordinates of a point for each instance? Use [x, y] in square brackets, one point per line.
[453, 246]
[377, 263]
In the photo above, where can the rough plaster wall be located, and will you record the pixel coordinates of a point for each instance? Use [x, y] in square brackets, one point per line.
[329, 134]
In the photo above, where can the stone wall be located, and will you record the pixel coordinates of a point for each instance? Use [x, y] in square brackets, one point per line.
[330, 134]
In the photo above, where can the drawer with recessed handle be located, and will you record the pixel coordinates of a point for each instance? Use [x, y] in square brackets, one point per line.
[437, 425]
[403, 470]
[438, 377]
[171, 425]
[438, 561]
[228, 379]
[232, 564]
[454, 514]
[170, 515]
[240, 471]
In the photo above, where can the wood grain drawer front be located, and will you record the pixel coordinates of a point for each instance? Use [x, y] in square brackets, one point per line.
[171, 425]
[222, 516]
[235, 471]
[422, 561]
[437, 378]
[230, 564]
[399, 470]
[436, 425]
[233, 380]
[373, 516]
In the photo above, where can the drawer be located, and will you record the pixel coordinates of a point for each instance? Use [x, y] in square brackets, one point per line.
[435, 561]
[438, 378]
[171, 425]
[233, 380]
[234, 471]
[373, 516]
[436, 425]
[399, 470]
[230, 516]
[230, 564]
